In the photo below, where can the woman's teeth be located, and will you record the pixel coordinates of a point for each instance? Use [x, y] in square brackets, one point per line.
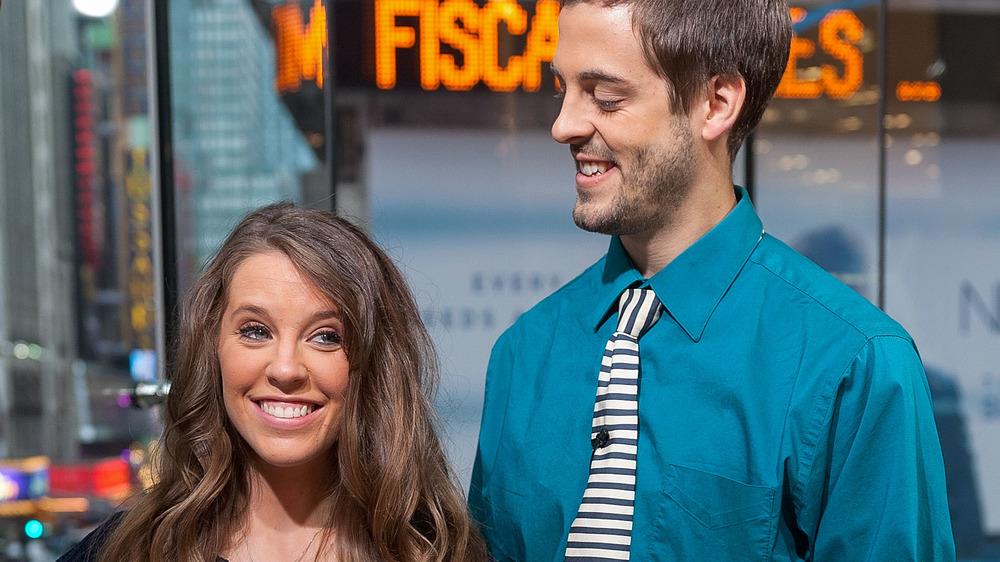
[287, 412]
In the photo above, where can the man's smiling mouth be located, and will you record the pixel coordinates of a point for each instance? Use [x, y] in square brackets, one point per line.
[593, 168]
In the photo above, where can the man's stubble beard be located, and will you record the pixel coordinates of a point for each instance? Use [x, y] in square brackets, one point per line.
[651, 191]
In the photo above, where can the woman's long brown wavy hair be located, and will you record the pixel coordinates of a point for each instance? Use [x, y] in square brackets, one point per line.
[394, 496]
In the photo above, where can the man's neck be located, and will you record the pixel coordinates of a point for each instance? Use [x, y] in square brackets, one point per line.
[654, 249]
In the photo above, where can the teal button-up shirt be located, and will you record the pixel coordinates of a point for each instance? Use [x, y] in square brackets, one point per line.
[781, 415]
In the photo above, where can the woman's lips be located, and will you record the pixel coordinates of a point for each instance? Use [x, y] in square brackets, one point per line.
[286, 410]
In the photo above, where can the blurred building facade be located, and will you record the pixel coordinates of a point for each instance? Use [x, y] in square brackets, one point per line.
[37, 332]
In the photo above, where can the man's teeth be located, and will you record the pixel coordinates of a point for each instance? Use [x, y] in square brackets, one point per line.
[593, 168]
[286, 411]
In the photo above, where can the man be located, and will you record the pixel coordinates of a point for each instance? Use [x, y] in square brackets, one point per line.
[779, 415]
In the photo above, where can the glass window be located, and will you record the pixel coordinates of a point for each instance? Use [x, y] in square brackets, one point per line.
[942, 269]
[241, 135]
[816, 156]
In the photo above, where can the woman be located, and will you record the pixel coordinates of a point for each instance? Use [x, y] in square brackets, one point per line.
[299, 424]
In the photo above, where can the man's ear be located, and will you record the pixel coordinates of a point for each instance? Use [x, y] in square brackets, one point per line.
[723, 102]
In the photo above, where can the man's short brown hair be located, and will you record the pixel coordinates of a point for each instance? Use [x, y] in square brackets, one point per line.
[689, 42]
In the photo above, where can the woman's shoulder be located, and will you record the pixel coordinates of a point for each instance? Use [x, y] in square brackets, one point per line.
[89, 548]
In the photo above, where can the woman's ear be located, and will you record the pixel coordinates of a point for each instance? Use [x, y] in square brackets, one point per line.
[723, 102]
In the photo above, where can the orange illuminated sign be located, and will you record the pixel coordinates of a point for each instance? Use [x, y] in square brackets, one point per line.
[300, 46]
[473, 38]
[839, 33]
[918, 91]
[459, 44]
[473, 32]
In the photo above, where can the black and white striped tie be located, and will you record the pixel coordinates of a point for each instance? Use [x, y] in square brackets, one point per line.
[602, 529]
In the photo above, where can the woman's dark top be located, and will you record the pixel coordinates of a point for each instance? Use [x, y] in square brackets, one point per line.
[89, 548]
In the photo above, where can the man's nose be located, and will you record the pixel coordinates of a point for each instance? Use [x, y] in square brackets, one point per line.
[571, 125]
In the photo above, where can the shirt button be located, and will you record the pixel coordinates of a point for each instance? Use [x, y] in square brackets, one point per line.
[601, 439]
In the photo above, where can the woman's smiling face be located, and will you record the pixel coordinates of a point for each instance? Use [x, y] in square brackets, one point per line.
[284, 368]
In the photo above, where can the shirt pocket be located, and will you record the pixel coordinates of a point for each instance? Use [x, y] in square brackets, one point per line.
[705, 516]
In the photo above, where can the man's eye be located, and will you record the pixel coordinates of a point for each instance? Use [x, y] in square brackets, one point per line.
[254, 332]
[608, 105]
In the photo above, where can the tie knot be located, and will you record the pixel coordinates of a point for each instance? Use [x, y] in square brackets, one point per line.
[638, 310]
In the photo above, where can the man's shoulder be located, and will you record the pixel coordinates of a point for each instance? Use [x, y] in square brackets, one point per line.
[816, 291]
[575, 297]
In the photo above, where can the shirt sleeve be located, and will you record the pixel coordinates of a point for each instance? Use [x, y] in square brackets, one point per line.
[494, 409]
[875, 487]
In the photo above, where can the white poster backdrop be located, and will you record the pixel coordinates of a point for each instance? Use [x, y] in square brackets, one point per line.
[481, 224]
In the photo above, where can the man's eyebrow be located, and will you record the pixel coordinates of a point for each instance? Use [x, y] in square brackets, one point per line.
[598, 76]
[591, 76]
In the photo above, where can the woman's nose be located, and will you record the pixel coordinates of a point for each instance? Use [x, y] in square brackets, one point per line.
[286, 369]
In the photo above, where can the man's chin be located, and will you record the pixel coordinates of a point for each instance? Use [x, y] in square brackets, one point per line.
[600, 223]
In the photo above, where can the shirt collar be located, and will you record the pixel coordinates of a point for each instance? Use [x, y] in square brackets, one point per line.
[693, 284]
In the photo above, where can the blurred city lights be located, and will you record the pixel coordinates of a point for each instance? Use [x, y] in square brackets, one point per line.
[33, 529]
[95, 8]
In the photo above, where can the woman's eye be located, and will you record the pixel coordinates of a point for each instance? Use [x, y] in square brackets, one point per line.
[254, 332]
[329, 338]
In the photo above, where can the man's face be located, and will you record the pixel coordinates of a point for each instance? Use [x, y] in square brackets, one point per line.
[635, 158]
